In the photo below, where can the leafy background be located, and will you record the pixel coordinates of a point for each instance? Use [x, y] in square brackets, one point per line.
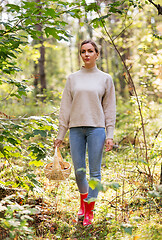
[39, 43]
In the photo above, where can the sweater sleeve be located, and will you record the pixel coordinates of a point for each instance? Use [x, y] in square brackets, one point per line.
[65, 108]
[109, 108]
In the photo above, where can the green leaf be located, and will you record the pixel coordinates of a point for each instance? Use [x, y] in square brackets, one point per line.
[9, 148]
[95, 183]
[154, 194]
[113, 185]
[127, 228]
[26, 217]
[29, 5]
[81, 169]
[43, 133]
[14, 222]
[91, 7]
[1, 155]
[143, 161]
[50, 12]
[74, 13]
[28, 136]
[33, 180]
[52, 31]
[92, 200]
[15, 126]
[103, 17]
[13, 7]
[113, 10]
[81, 24]
[13, 141]
[34, 211]
[37, 152]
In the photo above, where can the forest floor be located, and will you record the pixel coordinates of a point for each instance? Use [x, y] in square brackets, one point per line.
[127, 208]
[125, 212]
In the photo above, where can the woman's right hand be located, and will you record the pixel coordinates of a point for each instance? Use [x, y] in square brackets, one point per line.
[57, 143]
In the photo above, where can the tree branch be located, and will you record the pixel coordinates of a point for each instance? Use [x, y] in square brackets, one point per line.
[122, 31]
[131, 83]
[158, 6]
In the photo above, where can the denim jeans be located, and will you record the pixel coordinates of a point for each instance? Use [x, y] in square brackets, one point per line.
[92, 138]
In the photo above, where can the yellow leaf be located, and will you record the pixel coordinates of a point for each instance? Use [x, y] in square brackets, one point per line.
[136, 238]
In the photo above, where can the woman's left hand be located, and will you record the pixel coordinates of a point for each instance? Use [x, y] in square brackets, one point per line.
[109, 144]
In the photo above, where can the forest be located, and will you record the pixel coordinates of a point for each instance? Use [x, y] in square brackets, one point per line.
[39, 48]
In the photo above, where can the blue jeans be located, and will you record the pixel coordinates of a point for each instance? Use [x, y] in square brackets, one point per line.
[94, 139]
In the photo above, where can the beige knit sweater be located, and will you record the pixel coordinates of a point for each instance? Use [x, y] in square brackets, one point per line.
[88, 100]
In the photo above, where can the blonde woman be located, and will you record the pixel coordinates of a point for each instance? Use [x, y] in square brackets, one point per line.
[88, 110]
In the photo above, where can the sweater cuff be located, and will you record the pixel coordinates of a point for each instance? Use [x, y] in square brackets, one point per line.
[61, 133]
[109, 132]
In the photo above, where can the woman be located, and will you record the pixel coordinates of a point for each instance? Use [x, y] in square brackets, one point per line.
[87, 108]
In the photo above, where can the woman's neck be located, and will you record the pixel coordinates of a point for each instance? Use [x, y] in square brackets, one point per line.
[92, 69]
[89, 67]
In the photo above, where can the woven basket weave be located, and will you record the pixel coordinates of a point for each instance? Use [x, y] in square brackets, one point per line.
[58, 169]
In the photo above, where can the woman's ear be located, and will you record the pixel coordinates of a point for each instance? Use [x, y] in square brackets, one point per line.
[97, 56]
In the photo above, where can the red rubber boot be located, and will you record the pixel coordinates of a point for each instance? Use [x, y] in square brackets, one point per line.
[81, 210]
[88, 216]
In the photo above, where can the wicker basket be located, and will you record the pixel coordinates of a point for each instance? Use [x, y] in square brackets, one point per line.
[58, 169]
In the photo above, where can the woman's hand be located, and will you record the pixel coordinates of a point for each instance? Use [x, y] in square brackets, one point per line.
[109, 144]
[57, 143]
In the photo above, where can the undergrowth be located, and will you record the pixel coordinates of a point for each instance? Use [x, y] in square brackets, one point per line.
[129, 202]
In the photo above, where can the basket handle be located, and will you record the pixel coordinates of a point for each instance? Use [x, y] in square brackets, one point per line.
[55, 159]
[59, 155]
[56, 151]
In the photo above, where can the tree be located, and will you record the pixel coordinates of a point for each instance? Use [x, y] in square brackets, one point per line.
[40, 74]
[34, 18]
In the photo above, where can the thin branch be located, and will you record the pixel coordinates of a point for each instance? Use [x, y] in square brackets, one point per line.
[127, 136]
[153, 144]
[13, 28]
[158, 133]
[122, 31]
[7, 94]
[118, 196]
[130, 81]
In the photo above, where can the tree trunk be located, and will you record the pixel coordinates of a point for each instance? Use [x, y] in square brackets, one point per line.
[36, 76]
[41, 68]
[79, 39]
[71, 58]
[101, 53]
[106, 57]
[161, 175]
[89, 28]
[42, 76]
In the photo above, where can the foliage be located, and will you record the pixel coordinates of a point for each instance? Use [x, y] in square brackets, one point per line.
[101, 22]
[21, 157]
[129, 210]
[129, 200]
[15, 218]
[23, 22]
[16, 144]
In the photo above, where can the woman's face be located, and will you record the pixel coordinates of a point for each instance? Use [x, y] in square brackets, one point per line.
[88, 55]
